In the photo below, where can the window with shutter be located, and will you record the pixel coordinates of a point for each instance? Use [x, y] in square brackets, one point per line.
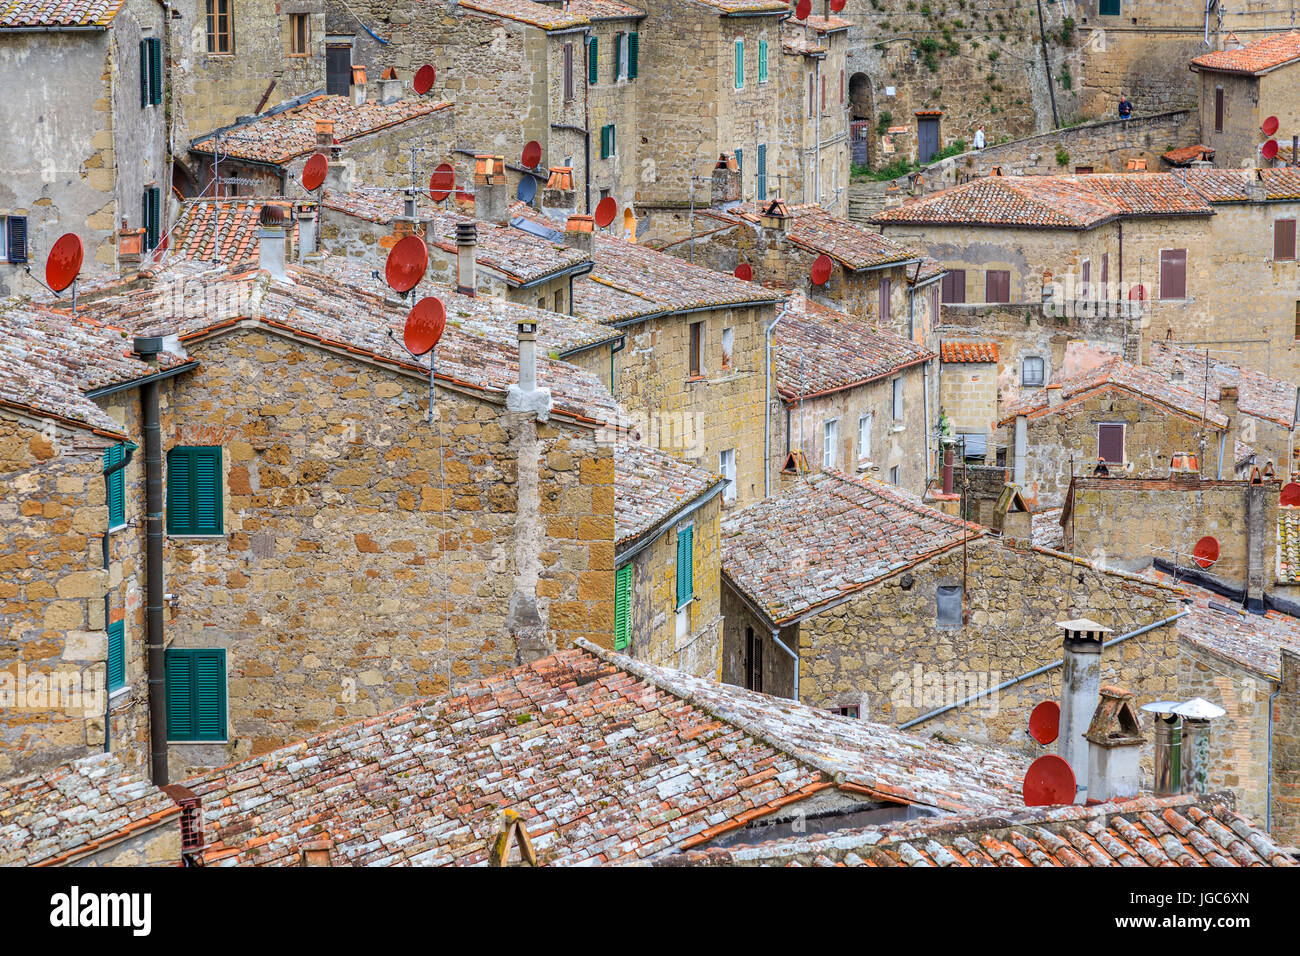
[622, 602]
[830, 443]
[740, 63]
[762, 61]
[618, 56]
[1108, 8]
[568, 72]
[685, 566]
[696, 358]
[886, 292]
[864, 437]
[761, 172]
[116, 655]
[196, 693]
[1110, 443]
[633, 43]
[740, 163]
[149, 212]
[1218, 109]
[754, 652]
[16, 238]
[1173, 273]
[935, 303]
[897, 402]
[116, 487]
[194, 483]
[997, 285]
[144, 73]
[155, 70]
[593, 62]
[1284, 240]
[953, 286]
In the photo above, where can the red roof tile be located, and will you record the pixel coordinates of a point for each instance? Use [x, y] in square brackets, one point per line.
[852, 244]
[1258, 395]
[1235, 185]
[232, 222]
[58, 13]
[1253, 58]
[969, 352]
[542, 15]
[1188, 154]
[651, 486]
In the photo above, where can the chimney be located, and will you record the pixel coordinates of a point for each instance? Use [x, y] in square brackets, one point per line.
[491, 196]
[559, 200]
[776, 216]
[1197, 714]
[325, 135]
[1228, 405]
[130, 248]
[949, 444]
[526, 396]
[1168, 740]
[390, 87]
[338, 175]
[306, 230]
[466, 256]
[1020, 451]
[1261, 541]
[1053, 395]
[270, 241]
[1080, 687]
[1114, 747]
[358, 92]
[580, 233]
[726, 182]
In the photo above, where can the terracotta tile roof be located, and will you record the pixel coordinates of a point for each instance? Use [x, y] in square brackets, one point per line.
[525, 11]
[58, 13]
[930, 269]
[1116, 373]
[236, 222]
[279, 136]
[969, 351]
[1218, 624]
[1258, 395]
[60, 814]
[50, 358]
[1182, 830]
[819, 349]
[1233, 185]
[1051, 202]
[851, 244]
[326, 309]
[824, 24]
[827, 536]
[605, 759]
[1288, 545]
[1046, 529]
[651, 486]
[747, 6]
[1253, 58]
[604, 10]
[1188, 154]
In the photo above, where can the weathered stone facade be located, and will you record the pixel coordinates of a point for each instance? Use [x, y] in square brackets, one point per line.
[1286, 752]
[812, 161]
[968, 398]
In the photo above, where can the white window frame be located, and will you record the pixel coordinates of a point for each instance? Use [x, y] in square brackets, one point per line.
[727, 468]
[896, 398]
[728, 346]
[865, 422]
[830, 443]
[1042, 377]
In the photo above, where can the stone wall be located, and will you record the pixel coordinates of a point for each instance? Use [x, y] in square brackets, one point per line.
[968, 398]
[653, 610]
[368, 558]
[1286, 753]
[811, 163]
[157, 846]
[611, 101]
[53, 629]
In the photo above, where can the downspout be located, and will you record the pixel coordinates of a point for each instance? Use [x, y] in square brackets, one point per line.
[794, 657]
[109, 472]
[586, 126]
[817, 153]
[1036, 672]
[767, 398]
[925, 435]
[148, 349]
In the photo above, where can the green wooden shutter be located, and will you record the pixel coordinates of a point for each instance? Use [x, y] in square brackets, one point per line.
[155, 70]
[196, 693]
[618, 55]
[613, 139]
[180, 496]
[740, 162]
[593, 65]
[740, 63]
[116, 655]
[1108, 8]
[760, 174]
[194, 500]
[207, 491]
[632, 40]
[622, 600]
[178, 666]
[762, 61]
[116, 487]
[685, 565]
[155, 233]
[144, 72]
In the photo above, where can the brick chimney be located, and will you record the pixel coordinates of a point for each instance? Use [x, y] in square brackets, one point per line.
[559, 199]
[466, 258]
[390, 87]
[357, 93]
[526, 396]
[580, 233]
[491, 195]
[1080, 690]
[726, 181]
[1114, 747]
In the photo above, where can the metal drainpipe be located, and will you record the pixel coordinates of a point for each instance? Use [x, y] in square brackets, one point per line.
[148, 348]
[109, 473]
[586, 126]
[1036, 672]
[817, 155]
[793, 656]
[925, 435]
[767, 399]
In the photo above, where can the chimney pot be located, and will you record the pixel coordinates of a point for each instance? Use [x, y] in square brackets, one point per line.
[467, 258]
[358, 91]
[1196, 715]
[580, 233]
[270, 243]
[1167, 739]
[1114, 747]
[1080, 689]
[526, 396]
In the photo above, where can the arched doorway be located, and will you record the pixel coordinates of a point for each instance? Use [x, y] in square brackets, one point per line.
[862, 112]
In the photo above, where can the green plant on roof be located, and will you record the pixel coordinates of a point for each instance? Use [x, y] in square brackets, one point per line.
[1062, 156]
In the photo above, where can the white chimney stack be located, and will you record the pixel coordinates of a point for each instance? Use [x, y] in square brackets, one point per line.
[526, 396]
[1114, 747]
[270, 242]
[306, 231]
[1080, 687]
[1021, 451]
[467, 258]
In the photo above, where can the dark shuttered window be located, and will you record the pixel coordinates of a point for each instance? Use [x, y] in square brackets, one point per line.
[1218, 109]
[997, 285]
[150, 216]
[1173, 273]
[754, 653]
[568, 72]
[194, 500]
[116, 487]
[622, 607]
[953, 286]
[1110, 443]
[116, 655]
[593, 62]
[685, 566]
[196, 693]
[1284, 240]
[16, 238]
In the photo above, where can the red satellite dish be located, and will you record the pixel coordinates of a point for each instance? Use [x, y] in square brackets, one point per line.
[442, 182]
[425, 324]
[424, 78]
[1269, 149]
[1138, 293]
[1045, 722]
[406, 264]
[532, 154]
[313, 173]
[745, 271]
[1270, 126]
[1049, 782]
[64, 261]
[605, 210]
[1290, 495]
[822, 268]
[837, 5]
[802, 9]
[1206, 551]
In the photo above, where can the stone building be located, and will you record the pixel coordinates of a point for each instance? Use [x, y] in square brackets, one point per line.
[332, 552]
[72, 595]
[1240, 88]
[667, 603]
[968, 396]
[264, 154]
[1126, 417]
[848, 397]
[85, 149]
[854, 596]
[811, 164]
[231, 60]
